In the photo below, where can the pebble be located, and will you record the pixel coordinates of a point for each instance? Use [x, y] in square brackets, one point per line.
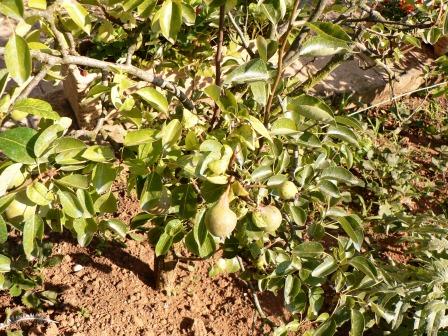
[77, 268]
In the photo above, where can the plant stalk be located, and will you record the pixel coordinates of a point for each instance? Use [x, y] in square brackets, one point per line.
[218, 58]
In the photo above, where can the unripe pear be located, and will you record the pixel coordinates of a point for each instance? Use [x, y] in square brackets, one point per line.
[220, 220]
[268, 218]
[288, 190]
[20, 209]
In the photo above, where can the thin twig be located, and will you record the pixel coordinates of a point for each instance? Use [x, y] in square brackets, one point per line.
[280, 68]
[218, 59]
[129, 69]
[33, 83]
[388, 22]
[255, 298]
[72, 43]
[241, 35]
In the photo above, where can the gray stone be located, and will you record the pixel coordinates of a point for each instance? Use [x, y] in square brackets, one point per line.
[367, 84]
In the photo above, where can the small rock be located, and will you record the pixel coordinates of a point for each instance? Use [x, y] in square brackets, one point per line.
[52, 330]
[77, 268]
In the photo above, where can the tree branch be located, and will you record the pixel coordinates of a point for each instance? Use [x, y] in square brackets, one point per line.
[129, 69]
[33, 83]
[241, 35]
[280, 68]
[218, 59]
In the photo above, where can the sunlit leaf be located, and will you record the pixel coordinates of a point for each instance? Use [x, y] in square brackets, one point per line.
[18, 59]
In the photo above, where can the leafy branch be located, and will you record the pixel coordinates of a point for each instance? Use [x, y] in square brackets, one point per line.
[129, 69]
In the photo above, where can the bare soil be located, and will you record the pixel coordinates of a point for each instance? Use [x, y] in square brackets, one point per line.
[113, 295]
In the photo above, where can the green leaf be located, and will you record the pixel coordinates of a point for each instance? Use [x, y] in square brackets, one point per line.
[363, 265]
[98, 153]
[328, 328]
[86, 202]
[329, 188]
[146, 8]
[261, 173]
[258, 126]
[12, 8]
[185, 198]
[309, 250]
[5, 264]
[199, 241]
[32, 230]
[78, 14]
[298, 214]
[106, 203]
[5, 201]
[318, 46]
[154, 98]
[68, 151]
[46, 139]
[131, 4]
[170, 19]
[259, 91]
[115, 225]
[266, 49]
[171, 133]
[4, 79]
[16, 144]
[18, 59]
[340, 174]
[38, 4]
[36, 107]
[349, 122]
[152, 192]
[11, 177]
[139, 137]
[103, 176]
[224, 266]
[70, 204]
[284, 126]
[343, 133]
[74, 181]
[3, 231]
[357, 323]
[84, 228]
[327, 267]
[163, 244]
[311, 108]
[353, 229]
[330, 31]
[252, 71]
[188, 14]
[38, 193]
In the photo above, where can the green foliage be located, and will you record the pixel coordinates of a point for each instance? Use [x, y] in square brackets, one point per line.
[308, 185]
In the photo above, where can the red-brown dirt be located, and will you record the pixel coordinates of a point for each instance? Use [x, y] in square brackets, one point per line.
[112, 295]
